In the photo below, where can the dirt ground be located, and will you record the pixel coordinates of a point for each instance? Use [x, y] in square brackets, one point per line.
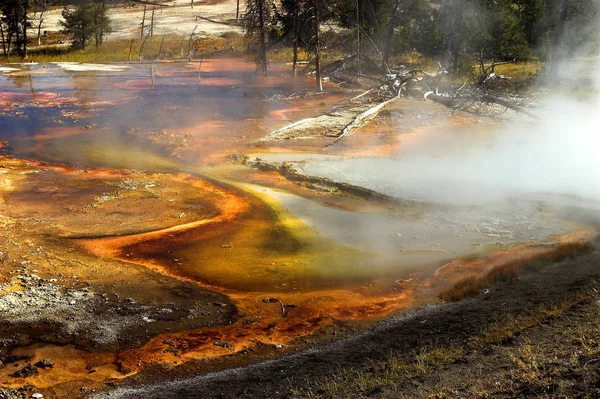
[174, 18]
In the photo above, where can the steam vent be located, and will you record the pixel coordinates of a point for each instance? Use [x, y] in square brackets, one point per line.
[299, 199]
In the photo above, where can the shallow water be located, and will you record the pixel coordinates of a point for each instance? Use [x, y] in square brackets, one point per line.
[180, 111]
[169, 117]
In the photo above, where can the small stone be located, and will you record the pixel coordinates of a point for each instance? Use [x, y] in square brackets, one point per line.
[37, 395]
[26, 372]
[45, 364]
[123, 368]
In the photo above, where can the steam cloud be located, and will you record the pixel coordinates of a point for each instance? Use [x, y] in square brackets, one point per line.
[559, 155]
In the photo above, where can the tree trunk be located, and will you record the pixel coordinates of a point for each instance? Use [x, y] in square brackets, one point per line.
[358, 47]
[453, 36]
[152, 27]
[3, 42]
[130, 48]
[296, 32]
[189, 50]
[390, 33]
[8, 43]
[101, 33]
[237, 12]
[143, 23]
[317, 48]
[161, 47]
[39, 33]
[558, 39]
[262, 51]
[25, 9]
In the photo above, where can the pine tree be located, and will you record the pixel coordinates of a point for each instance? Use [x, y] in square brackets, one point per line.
[88, 21]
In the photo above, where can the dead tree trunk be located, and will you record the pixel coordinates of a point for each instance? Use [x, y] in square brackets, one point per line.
[189, 51]
[25, 9]
[130, 48]
[319, 82]
[358, 46]
[152, 27]
[453, 38]
[9, 41]
[161, 47]
[143, 24]
[3, 41]
[296, 33]
[390, 33]
[262, 51]
[558, 39]
[39, 27]
[142, 47]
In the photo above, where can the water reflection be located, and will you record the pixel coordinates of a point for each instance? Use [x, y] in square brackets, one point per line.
[145, 106]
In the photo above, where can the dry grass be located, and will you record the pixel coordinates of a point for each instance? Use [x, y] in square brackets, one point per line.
[399, 368]
[507, 329]
[520, 70]
[473, 286]
[529, 368]
[173, 47]
[381, 374]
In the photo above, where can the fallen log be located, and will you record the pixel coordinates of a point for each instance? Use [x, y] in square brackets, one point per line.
[362, 95]
[284, 129]
[214, 21]
[507, 104]
[360, 120]
[458, 101]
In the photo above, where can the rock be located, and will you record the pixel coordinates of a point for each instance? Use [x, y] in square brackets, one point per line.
[122, 368]
[26, 372]
[45, 364]
[7, 342]
[270, 300]
[37, 395]
[222, 344]
[11, 394]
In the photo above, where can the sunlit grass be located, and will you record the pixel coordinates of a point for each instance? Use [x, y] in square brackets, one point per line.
[519, 70]
[123, 50]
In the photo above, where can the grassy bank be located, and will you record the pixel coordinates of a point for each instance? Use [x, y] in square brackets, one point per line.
[161, 48]
[473, 286]
[175, 47]
[552, 352]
